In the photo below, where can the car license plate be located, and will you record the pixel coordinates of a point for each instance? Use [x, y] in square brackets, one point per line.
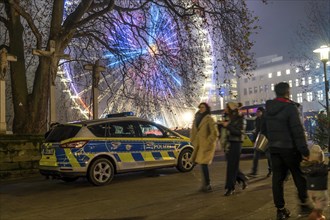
[48, 151]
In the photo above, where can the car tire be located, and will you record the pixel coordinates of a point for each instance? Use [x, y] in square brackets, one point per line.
[184, 163]
[100, 172]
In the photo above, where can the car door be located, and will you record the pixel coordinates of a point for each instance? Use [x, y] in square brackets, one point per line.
[159, 147]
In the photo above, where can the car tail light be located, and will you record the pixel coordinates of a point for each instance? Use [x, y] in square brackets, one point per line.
[76, 144]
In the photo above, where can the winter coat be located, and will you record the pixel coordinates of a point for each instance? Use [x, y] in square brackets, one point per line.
[236, 129]
[283, 127]
[204, 139]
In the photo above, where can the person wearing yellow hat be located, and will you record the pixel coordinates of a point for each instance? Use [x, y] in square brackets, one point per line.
[235, 127]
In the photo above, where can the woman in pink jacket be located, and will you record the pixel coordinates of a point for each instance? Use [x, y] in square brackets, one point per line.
[203, 137]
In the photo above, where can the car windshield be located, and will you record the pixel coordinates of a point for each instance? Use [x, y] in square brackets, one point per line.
[62, 132]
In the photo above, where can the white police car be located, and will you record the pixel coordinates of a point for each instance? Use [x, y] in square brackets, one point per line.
[98, 149]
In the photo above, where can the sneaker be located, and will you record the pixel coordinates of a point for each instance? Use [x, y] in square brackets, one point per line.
[305, 210]
[283, 214]
[269, 173]
[206, 189]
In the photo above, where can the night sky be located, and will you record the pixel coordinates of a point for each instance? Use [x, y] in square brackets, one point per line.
[279, 20]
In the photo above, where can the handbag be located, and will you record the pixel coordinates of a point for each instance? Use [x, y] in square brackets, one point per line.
[261, 143]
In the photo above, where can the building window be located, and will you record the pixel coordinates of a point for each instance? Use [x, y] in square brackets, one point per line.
[270, 75]
[261, 89]
[287, 71]
[250, 90]
[279, 73]
[246, 80]
[307, 67]
[290, 97]
[247, 103]
[297, 70]
[261, 77]
[297, 82]
[272, 86]
[245, 91]
[310, 81]
[254, 78]
[309, 96]
[266, 88]
[303, 82]
[290, 83]
[320, 95]
[299, 98]
[317, 80]
[256, 89]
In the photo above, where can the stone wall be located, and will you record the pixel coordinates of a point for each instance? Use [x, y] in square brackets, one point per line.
[19, 155]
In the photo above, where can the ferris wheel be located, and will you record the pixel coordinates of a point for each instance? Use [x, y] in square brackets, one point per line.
[144, 74]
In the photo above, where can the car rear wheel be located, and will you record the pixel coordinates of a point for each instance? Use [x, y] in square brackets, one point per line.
[184, 163]
[101, 172]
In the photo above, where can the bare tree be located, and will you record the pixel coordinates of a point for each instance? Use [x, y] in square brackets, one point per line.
[86, 29]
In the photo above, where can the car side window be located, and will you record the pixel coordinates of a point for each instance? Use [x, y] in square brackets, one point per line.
[123, 129]
[100, 130]
[150, 130]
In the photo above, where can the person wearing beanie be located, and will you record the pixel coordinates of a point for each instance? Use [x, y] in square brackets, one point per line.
[316, 171]
[235, 129]
[258, 122]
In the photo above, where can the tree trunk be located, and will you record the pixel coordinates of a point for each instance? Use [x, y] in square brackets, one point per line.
[30, 111]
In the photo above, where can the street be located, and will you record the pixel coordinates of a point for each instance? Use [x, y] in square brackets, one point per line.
[163, 194]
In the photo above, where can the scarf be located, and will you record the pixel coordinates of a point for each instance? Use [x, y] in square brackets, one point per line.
[198, 118]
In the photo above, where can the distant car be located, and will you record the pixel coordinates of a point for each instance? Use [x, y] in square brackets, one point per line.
[98, 149]
[248, 144]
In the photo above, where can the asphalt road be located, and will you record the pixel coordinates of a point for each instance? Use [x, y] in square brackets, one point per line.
[164, 194]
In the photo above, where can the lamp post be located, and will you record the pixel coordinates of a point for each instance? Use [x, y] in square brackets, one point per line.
[324, 56]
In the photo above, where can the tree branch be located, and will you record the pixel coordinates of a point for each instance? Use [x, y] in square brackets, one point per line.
[29, 20]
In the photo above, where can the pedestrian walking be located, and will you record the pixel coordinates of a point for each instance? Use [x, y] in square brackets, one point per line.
[234, 130]
[256, 156]
[203, 137]
[316, 171]
[288, 146]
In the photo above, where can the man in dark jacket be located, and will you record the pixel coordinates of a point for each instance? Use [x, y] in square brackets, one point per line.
[288, 146]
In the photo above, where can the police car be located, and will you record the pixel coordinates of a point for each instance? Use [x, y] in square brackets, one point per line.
[98, 149]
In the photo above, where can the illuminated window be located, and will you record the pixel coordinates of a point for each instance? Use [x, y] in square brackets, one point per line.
[290, 83]
[320, 95]
[297, 70]
[250, 90]
[303, 82]
[287, 71]
[307, 67]
[318, 65]
[279, 73]
[310, 81]
[309, 96]
[270, 75]
[261, 89]
[272, 86]
[299, 98]
[317, 80]
[297, 82]
[290, 97]
[261, 77]
[245, 91]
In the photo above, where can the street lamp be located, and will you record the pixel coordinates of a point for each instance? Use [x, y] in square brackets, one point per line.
[324, 56]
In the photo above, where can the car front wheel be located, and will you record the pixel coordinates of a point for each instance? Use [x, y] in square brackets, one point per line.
[184, 163]
[101, 172]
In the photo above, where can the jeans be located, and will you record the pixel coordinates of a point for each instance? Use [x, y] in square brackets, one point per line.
[284, 161]
[206, 175]
[256, 157]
